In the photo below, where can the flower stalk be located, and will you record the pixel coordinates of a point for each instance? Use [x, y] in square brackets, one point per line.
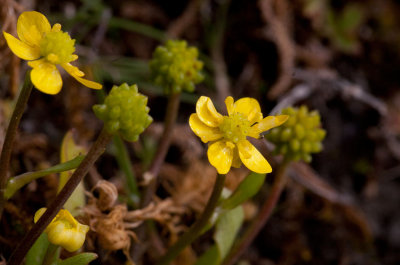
[196, 229]
[52, 254]
[124, 163]
[10, 137]
[94, 153]
[157, 161]
[164, 143]
[263, 216]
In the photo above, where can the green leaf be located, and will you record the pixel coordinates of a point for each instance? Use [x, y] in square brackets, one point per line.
[210, 257]
[247, 189]
[80, 259]
[351, 18]
[144, 29]
[69, 150]
[38, 250]
[19, 181]
[226, 230]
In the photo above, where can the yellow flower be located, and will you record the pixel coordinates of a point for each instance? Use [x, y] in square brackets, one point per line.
[45, 47]
[64, 230]
[228, 134]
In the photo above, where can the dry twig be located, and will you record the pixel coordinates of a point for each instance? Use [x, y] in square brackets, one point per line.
[278, 31]
[182, 23]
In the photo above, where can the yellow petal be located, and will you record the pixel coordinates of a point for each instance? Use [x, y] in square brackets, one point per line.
[21, 49]
[56, 232]
[67, 216]
[72, 70]
[252, 158]
[220, 155]
[207, 113]
[236, 162]
[56, 27]
[39, 214]
[31, 26]
[250, 108]
[76, 73]
[46, 77]
[65, 231]
[229, 105]
[74, 241]
[206, 133]
[74, 237]
[266, 124]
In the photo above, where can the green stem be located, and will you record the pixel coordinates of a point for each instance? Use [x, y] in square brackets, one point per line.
[196, 229]
[137, 27]
[125, 164]
[10, 136]
[263, 216]
[52, 255]
[164, 143]
[156, 163]
[15, 183]
[94, 153]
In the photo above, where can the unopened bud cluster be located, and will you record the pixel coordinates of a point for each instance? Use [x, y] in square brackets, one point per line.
[175, 67]
[125, 112]
[300, 136]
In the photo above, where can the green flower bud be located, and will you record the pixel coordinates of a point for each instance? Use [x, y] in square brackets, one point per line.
[175, 67]
[125, 112]
[286, 134]
[300, 136]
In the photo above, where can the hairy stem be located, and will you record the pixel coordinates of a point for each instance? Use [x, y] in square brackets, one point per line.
[94, 153]
[263, 216]
[10, 136]
[196, 229]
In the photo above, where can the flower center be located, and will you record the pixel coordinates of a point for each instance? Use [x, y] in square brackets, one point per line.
[57, 47]
[235, 127]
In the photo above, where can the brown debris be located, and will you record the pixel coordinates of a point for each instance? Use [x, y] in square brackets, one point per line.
[9, 10]
[112, 222]
[107, 195]
[276, 14]
[188, 17]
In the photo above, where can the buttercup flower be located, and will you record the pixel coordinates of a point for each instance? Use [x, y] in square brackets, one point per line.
[45, 47]
[228, 134]
[64, 230]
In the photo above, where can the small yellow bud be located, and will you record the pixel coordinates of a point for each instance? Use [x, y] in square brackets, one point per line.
[64, 230]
